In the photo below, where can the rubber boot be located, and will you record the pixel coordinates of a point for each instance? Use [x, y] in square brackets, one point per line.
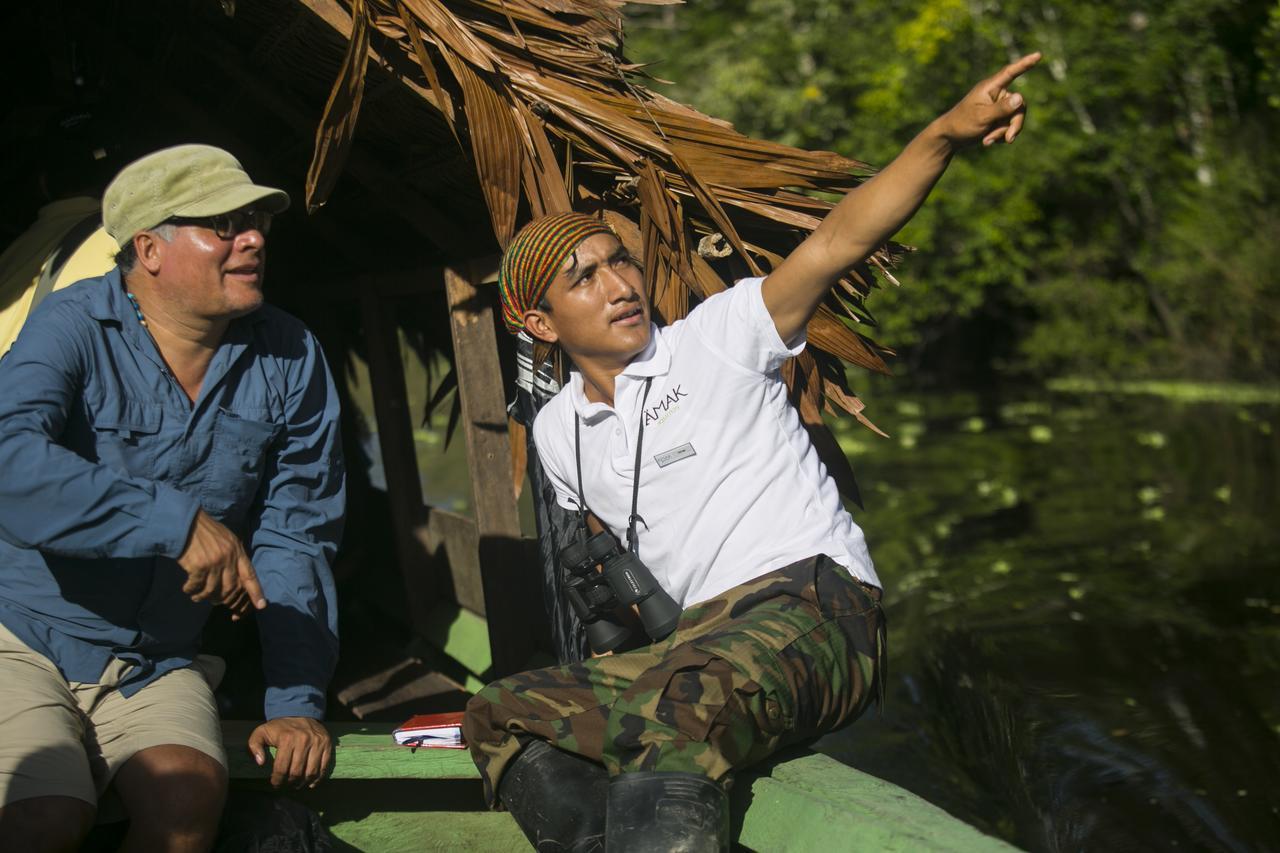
[557, 798]
[657, 812]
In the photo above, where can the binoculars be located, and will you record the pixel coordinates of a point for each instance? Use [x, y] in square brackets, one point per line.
[622, 580]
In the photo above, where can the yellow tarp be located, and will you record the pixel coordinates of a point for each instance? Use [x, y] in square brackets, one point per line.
[23, 262]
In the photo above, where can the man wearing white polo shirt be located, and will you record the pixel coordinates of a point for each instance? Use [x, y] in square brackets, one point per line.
[681, 442]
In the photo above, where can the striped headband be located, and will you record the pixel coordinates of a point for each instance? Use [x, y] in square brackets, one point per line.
[534, 257]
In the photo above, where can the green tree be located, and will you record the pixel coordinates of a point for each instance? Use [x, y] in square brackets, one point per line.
[1130, 231]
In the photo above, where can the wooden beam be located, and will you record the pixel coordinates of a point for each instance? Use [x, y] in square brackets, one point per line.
[399, 459]
[513, 608]
[797, 800]
[454, 540]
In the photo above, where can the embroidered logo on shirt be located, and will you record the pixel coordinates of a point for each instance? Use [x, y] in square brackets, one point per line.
[675, 454]
[659, 410]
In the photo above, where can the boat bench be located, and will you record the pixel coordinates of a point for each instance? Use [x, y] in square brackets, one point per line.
[361, 751]
[385, 798]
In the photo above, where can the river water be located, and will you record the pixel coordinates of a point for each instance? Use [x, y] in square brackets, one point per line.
[1084, 612]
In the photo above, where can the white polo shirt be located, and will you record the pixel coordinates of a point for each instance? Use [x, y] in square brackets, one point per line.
[730, 485]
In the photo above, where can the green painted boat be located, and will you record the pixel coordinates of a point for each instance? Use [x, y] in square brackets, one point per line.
[384, 798]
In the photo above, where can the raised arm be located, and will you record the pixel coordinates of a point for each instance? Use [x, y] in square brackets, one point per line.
[872, 213]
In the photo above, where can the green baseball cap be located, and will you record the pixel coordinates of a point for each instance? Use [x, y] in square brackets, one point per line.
[186, 180]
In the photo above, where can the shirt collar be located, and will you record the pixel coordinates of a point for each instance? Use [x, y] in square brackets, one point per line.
[109, 301]
[110, 305]
[655, 360]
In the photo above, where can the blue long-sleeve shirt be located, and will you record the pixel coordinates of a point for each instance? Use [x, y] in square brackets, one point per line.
[104, 462]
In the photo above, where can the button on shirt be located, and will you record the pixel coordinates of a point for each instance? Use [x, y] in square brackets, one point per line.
[730, 485]
[106, 461]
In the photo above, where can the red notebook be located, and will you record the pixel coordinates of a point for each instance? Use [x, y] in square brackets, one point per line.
[443, 731]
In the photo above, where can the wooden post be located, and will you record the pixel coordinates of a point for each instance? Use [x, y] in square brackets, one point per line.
[513, 606]
[399, 457]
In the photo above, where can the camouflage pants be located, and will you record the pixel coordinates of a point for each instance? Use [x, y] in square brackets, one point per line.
[781, 659]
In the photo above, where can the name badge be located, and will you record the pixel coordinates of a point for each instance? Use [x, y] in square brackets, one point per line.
[675, 454]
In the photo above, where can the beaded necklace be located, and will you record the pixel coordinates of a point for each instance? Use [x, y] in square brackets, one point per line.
[133, 300]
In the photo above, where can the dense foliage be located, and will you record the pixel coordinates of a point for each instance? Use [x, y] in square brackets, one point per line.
[1133, 229]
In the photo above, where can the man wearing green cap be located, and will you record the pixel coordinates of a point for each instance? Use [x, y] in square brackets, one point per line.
[681, 442]
[170, 443]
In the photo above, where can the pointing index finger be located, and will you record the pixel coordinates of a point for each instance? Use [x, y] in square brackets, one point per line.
[1013, 71]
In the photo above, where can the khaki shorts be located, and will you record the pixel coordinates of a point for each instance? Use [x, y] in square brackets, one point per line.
[69, 739]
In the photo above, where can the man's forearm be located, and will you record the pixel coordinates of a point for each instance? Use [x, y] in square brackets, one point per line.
[861, 222]
[874, 212]
[54, 500]
[867, 217]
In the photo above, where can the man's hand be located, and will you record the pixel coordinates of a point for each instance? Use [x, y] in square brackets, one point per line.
[218, 568]
[989, 112]
[304, 750]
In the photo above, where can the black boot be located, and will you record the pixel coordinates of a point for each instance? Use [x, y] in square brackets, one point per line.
[655, 812]
[557, 798]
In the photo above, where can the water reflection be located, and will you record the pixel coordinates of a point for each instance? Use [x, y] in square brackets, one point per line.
[1085, 616]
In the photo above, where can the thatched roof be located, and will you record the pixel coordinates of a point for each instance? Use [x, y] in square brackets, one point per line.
[555, 117]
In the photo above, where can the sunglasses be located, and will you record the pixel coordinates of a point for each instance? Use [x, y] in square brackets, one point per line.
[228, 225]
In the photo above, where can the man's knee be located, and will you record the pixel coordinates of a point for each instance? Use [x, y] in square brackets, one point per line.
[45, 824]
[490, 710]
[478, 722]
[172, 791]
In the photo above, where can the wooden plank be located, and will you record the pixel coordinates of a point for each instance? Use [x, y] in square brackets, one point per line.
[517, 624]
[399, 458]
[416, 832]
[484, 409]
[799, 801]
[361, 751]
[809, 801]
[455, 538]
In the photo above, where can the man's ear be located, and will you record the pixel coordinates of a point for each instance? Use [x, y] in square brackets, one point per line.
[539, 325]
[148, 247]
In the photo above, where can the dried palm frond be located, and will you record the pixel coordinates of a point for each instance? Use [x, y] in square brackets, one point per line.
[338, 124]
[555, 116]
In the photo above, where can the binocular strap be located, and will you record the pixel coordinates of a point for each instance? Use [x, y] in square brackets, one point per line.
[633, 544]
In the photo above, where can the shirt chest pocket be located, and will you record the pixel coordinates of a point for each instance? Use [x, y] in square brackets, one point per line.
[237, 465]
[126, 436]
